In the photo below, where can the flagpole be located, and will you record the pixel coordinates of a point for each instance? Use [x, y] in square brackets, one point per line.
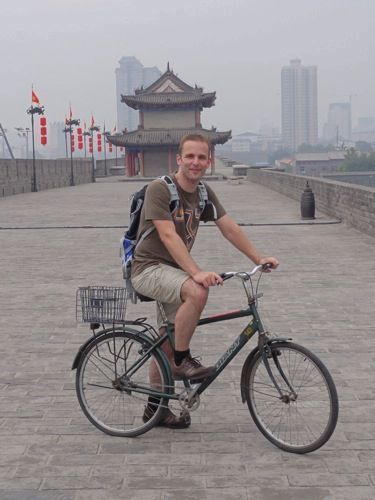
[70, 124]
[105, 152]
[33, 182]
[92, 129]
[32, 110]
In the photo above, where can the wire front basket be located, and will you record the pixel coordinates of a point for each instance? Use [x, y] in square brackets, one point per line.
[101, 304]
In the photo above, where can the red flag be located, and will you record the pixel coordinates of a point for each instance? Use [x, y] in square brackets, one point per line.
[34, 98]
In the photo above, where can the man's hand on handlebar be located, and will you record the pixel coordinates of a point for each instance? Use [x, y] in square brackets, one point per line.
[207, 279]
[268, 263]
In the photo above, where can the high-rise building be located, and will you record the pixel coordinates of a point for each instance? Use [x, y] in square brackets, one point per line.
[130, 76]
[338, 128]
[299, 104]
[56, 140]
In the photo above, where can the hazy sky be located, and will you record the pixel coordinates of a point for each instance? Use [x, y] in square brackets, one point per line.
[69, 50]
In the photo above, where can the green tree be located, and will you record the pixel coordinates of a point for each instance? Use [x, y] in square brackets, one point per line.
[358, 162]
[363, 147]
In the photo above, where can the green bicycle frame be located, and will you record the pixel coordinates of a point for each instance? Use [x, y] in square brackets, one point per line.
[254, 326]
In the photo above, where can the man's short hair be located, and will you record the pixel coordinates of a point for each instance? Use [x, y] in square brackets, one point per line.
[194, 138]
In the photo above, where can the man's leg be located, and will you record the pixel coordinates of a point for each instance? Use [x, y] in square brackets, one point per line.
[153, 371]
[194, 299]
[168, 418]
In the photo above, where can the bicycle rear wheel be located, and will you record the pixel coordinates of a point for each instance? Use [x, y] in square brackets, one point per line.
[112, 383]
[304, 418]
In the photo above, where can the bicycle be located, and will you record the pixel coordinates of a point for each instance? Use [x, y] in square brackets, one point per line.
[290, 394]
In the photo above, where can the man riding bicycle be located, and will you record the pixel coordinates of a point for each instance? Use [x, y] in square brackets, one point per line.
[163, 268]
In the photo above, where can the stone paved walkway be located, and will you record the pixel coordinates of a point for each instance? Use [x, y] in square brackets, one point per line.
[323, 296]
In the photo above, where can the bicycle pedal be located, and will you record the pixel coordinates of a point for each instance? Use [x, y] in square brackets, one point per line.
[196, 381]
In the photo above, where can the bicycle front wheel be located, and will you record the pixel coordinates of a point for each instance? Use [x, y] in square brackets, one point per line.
[304, 416]
[112, 383]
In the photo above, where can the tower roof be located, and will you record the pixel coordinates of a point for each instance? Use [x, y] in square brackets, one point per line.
[165, 137]
[169, 91]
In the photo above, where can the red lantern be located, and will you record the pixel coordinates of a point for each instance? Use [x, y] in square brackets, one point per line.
[43, 130]
[72, 139]
[99, 149]
[79, 131]
[80, 145]
[90, 148]
[73, 149]
[110, 148]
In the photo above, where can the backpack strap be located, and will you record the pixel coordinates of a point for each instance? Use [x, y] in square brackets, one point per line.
[175, 198]
[203, 199]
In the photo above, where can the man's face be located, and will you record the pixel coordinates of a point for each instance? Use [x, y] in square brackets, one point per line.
[194, 160]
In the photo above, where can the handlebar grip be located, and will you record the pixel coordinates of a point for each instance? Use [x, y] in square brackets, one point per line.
[225, 276]
[266, 266]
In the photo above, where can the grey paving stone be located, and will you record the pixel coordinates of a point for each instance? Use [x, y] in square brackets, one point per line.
[36, 495]
[80, 483]
[118, 494]
[167, 483]
[319, 479]
[290, 494]
[233, 493]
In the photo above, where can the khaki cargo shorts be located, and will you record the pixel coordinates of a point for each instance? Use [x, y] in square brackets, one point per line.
[162, 283]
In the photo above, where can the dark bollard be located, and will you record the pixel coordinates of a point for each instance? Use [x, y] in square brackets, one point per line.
[307, 203]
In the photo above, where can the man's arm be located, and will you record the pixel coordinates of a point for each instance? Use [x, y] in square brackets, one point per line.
[233, 233]
[175, 246]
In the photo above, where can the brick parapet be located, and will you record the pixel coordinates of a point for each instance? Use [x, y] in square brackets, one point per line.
[16, 175]
[353, 204]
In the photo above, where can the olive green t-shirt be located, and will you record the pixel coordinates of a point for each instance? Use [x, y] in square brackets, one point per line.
[186, 218]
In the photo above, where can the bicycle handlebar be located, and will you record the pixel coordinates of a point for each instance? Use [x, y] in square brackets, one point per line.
[244, 275]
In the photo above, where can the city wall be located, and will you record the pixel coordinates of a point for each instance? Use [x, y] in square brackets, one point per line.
[16, 176]
[353, 204]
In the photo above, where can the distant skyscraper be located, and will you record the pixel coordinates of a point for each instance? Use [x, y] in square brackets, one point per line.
[129, 76]
[299, 104]
[338, 127]
[56, 140]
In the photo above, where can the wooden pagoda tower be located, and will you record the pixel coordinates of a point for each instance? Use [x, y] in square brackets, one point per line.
[168, 110]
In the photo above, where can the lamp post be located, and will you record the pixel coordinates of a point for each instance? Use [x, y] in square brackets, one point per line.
[106, 134]
[24, 132]
[92, 129]
[65, 132]
[70, 124]
[34, 110]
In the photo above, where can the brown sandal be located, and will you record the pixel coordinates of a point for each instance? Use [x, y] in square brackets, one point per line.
[169, 419]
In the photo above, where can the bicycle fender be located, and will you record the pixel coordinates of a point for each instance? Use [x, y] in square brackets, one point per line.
[245, 369]
[248, 360]
[84, 346]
